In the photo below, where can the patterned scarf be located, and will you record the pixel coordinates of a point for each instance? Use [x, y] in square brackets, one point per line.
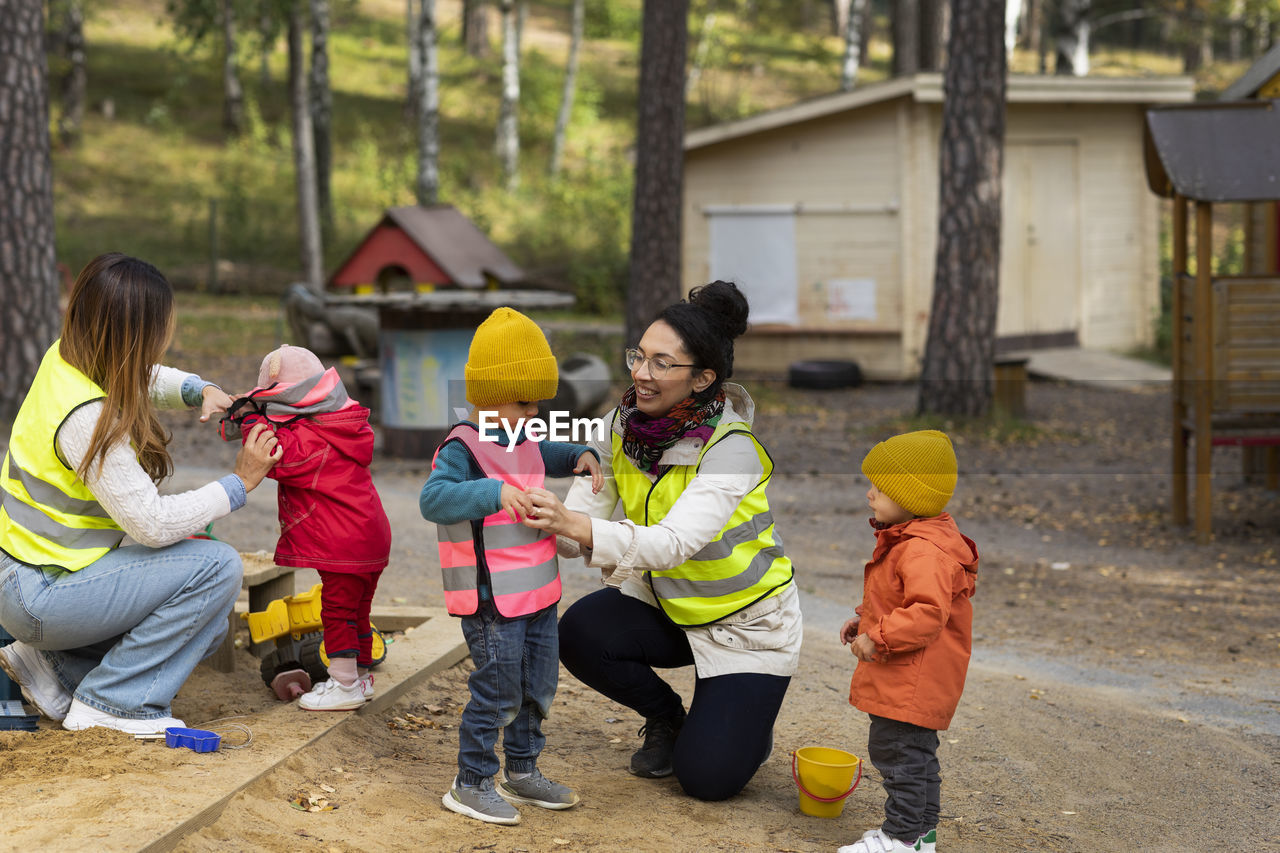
[645, 438]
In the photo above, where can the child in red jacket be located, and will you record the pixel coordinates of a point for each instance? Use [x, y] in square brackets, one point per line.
[913, 632]
[331, 518]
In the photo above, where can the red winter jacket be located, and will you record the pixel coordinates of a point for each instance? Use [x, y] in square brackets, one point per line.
[331, 518]
[915, 608]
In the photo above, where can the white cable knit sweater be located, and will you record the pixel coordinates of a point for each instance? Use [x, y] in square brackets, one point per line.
[123, 487]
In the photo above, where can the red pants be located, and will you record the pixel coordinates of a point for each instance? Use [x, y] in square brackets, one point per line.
[345, 602]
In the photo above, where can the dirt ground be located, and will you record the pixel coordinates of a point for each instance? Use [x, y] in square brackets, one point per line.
[1124, 691]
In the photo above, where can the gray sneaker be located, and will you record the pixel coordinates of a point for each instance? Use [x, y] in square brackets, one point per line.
[480, 802]
[537, 790]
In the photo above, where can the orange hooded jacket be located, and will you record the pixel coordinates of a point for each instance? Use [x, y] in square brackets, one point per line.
[915, 608]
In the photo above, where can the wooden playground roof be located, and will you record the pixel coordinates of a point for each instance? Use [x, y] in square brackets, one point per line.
[1225, 151]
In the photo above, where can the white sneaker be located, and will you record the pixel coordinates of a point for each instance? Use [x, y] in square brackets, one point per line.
[366, 684]
[334, 696]
[31, 671]
[875, 841]
[81, 716]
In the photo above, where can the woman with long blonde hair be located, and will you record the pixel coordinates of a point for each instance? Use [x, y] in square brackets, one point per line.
[106, 633]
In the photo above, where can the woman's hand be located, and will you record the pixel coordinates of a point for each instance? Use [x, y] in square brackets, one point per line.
[215, 402]
[260, 452]
[849, 630]
[515, 502]
[549, 514]
[588, 462]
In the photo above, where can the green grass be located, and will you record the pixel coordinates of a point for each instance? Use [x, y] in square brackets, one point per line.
[210, 326]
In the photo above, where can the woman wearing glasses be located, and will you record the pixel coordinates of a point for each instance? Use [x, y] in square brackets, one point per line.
[695, 574]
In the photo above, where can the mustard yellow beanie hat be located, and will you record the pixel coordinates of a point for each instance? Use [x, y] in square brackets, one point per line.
[916, 469]
[510, 361]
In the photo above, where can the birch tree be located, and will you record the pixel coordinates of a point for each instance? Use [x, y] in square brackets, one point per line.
[28, 265]
[320, 98]
[232, 91]
[577, 18]
[956, 375]
[428, 184]
[855, 17]
[304, 157]
[507, 138]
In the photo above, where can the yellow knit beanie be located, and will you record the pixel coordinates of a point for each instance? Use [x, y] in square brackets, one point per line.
[916, 469]
[510, 361]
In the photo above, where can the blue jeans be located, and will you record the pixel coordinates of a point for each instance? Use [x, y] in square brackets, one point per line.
[124, 632]
[512, 687]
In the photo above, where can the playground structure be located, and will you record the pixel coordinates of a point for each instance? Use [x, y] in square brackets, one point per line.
[298, 658]
[1226, 328]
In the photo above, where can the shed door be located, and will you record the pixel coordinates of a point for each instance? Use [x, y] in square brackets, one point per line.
[1040, 243]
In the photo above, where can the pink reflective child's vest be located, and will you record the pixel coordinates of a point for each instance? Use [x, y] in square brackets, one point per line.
[523, 573]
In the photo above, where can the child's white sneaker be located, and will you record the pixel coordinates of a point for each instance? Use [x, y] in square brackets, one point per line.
[333, 696]
[875, 841]
[366, 684]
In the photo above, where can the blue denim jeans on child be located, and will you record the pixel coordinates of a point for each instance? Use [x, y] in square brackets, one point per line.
[514, 682]
[125, 632]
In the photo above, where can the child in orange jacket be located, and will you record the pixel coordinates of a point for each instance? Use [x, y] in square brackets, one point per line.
[913, 632]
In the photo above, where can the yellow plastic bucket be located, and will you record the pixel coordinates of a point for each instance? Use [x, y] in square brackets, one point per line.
[825, 778]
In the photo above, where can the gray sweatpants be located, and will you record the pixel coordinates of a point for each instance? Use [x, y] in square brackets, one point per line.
[906, 756]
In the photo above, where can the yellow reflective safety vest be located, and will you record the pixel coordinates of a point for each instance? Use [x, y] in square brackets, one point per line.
[743, 564]
[47, 516]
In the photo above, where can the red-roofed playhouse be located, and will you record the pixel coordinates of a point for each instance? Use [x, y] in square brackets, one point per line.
[433, 277]
[422, 248]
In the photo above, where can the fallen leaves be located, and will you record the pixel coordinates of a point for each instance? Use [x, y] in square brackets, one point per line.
[310, 801]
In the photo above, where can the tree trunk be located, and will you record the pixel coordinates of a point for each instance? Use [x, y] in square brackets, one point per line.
[1261, 34]
[855, 19]
[321, 98]
[840, 17]
[1235, 38]
[935, 21]
[75, 83]
[576, 26]
[1191, 40]
[304, 156]
[904, 21]
[956, 374]
[1012, 16]
[232, 92]
[654, 275]
[428, 186]
[413, 31]
[1032, 25]
[507, 139]
[475, 28]
[28, 265]
[1071, 38]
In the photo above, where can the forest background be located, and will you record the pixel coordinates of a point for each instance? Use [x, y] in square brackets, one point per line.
[144, 161]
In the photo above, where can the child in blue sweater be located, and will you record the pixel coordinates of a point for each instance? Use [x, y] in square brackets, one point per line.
[501, 576]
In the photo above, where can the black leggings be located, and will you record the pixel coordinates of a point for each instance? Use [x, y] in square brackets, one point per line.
[611, 642]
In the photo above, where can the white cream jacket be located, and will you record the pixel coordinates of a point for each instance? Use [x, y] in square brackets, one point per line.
[763, 638]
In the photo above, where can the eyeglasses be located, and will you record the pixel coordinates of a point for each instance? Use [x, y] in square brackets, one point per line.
[658, 366]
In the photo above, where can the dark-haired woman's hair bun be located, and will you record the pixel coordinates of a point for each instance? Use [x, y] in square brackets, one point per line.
[725, 302]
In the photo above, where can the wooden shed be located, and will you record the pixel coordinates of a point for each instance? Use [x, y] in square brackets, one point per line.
[825, 212]
[422, 248]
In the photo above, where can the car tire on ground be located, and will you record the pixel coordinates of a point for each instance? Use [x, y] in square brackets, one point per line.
[824, 374]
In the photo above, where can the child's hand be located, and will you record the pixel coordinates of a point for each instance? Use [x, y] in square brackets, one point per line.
[588, 462]
[863, 648]
[849, 630]
[515, 503]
